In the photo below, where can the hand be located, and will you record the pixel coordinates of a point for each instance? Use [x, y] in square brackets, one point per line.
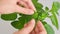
[11, 6]
[39, 29]
[29, 28]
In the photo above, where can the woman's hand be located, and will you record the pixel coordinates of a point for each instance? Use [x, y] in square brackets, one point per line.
[29, 28]
[11, 6]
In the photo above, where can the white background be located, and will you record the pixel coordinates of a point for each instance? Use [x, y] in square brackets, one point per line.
[6, 28]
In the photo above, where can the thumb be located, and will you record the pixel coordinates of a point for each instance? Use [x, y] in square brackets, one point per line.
[28, 28]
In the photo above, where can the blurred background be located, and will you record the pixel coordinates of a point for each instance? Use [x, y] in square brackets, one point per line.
[6, 28]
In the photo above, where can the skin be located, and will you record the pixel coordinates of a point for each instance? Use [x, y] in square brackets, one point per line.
[11, 6]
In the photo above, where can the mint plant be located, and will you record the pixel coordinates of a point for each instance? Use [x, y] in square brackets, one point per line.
[40, 14]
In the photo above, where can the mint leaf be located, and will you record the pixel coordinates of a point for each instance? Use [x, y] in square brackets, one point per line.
[17, 24]
[46, 8]
[9, 17]
[55, 7]
[49, 29]
[42, 14]
[29, 17]
[25, 18]
[34, 1]
[35, 15]
[54, 20]
[37, 5]
[43, 22]
[54, 11]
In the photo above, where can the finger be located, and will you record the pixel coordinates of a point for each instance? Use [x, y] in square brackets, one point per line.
[25, 0]
[25, 25]
[43, 32]
[24, 10]
[22, 3]
[30, 4]
[29, 28]
[40, 26]
[33, 32]
[36, 30]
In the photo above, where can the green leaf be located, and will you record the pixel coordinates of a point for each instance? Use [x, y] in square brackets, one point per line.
[8, 17]
[49, 29]
[54, 20]
[25, 18]
[42, 14]
[43, 22]
[46, 8]
[22, 20]
[37, 5]
[55, 7]
[17, 24]
[34, 1]
[54, 11]
[35, 15]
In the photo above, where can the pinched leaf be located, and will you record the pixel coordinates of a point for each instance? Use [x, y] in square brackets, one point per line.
[35, 15]
[49, 29]
[8, 17]
[25, 18]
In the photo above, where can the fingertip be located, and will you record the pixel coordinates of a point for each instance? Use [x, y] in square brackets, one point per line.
[38, 23]
[32, 21]
[30, 24]
[25, 25]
